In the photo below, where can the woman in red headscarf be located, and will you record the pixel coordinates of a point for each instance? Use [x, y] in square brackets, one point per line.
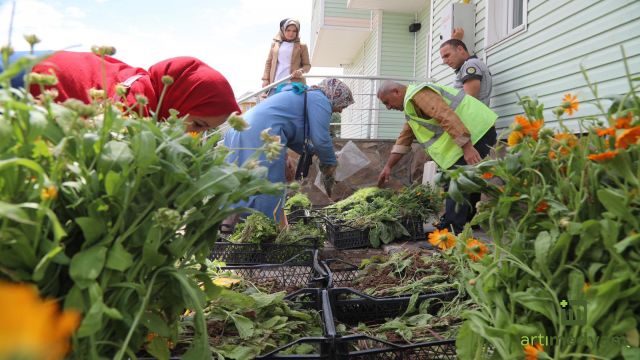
[197, 90]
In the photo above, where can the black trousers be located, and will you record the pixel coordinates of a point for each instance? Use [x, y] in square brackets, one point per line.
[466, 211]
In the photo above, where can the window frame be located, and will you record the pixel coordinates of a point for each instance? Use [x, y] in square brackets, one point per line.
[508, 14]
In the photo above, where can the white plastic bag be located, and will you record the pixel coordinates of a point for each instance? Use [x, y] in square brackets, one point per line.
[350, 160]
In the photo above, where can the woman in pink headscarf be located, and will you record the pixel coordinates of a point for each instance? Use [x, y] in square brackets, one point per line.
[197, 90]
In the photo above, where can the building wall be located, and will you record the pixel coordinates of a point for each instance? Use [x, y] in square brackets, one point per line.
[365, 63]
[397, 51]
[338, 8]
[422, 43]
[545, 59]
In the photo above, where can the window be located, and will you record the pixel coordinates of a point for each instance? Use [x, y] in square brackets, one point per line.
[505, 18]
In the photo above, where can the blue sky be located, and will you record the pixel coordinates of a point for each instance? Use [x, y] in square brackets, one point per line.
[233, 36]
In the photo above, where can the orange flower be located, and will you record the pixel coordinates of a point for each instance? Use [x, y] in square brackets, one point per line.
[624, 122]
[536, 125]
[442, 239]
[628, 137]
[542, 206]
[487, 175]
[32, 328]
[194, 134]
[603, 156]
[526, 127]
[49, 192]
[531, 352]
[606, 131]
[567, 141]
[521, 124]
[476, 249]
[570, 104]
[552, 155]
[514, 138]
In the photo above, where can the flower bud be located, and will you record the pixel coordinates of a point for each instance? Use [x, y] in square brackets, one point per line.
[295, 186]
[472, 282]
[167, 80]
[103, 50]
[97, 94]
[79, 107]
[121, 90]
[49, 193]
[141, 100]
[237, 122]
[42, 79]
[32, 39]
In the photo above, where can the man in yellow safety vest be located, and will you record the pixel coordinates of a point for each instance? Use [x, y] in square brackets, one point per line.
[453, 128]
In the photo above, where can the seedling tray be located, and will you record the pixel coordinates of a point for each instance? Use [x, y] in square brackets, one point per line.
[380, 349]
[255, 254]
[344, 236]
[301, 271]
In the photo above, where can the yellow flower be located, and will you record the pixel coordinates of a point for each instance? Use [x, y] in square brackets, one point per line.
[442, 239]
[225, 281]
[531, 352]
[603, 156]
[570, 104]
[32, 328]
[49, 192]
[514, 138]
[476, 249]
[194, 134]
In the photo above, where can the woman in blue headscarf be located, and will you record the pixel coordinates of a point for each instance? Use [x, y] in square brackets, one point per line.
[282, 115]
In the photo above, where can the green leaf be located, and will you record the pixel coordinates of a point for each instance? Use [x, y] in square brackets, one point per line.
[614, 202]
[144, 149]
[15, 213]
[542, 245]
[92, 320]
[118, 258]
[632, 239]
[155, 323]
[92, 228]
[87, 264]
[535, 300]
[302, 349]
[74, 299]
[113, 313]
[631, 353]
[467, 342]
[244, 325]
[115, 155]
[39, 271]
[150, 254]
[159, 348]
[263, 299]
[112, 182]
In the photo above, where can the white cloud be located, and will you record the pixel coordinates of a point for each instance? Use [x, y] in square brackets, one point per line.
[75, 12]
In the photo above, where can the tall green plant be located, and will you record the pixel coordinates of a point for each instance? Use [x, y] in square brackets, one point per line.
[110, 212]
[565, 220]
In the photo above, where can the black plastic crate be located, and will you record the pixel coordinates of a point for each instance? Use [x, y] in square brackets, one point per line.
[254, 254]
[382, 350]
[415, 227]
[296, 213]
[316, 299]
[300, 271]
[343, 236]
[351, 306]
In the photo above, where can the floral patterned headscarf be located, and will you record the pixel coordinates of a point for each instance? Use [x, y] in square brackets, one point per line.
[336, 91]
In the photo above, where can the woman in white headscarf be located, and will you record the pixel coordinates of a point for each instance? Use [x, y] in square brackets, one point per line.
[287, 55]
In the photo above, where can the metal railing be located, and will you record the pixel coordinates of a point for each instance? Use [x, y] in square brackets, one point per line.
[367, 118]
